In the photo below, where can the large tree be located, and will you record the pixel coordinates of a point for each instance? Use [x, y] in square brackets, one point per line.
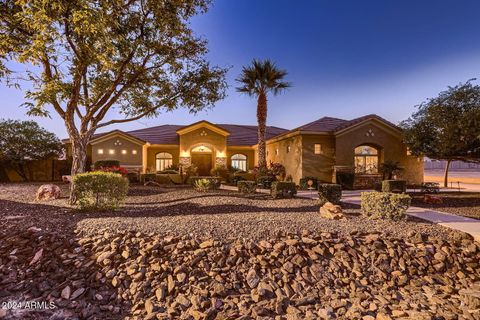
[24, 141]
[447, 127]
[89, 60]
[258, 80]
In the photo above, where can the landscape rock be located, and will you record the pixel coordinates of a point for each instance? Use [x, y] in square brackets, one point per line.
[48, 192]
[331, 211]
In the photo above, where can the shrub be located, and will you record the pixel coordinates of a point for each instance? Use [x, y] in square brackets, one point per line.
[215, 182]
[189, 170]
[345, 179]
[168, 171]
[384, 205]
[133, 177]
[304, 183]
[100, 190]
[282, 189]
[394, 186]
[219, 171]
[289, 178]
[277, 169]
[329, 192]
[114, 169]
[163, 179]
[174, 167]
[106, 164]
[247, 187]
[146, 177]
[202, 185]
[377, 186]
[265, 181]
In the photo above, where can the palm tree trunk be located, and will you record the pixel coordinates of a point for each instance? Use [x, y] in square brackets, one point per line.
[445, 177]
[262, 122]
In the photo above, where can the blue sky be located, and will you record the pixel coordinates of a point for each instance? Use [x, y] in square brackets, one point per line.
[344, 58]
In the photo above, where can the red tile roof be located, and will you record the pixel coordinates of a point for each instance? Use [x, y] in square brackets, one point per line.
[246, 135]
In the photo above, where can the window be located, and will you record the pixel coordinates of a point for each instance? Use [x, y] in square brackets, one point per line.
[366, 160]
[239, 162]
[163, 160]
[318, 148]
[100, 151]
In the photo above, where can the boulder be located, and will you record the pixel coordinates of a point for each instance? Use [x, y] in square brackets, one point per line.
[331, 211]
[431, 199]
[48, 192]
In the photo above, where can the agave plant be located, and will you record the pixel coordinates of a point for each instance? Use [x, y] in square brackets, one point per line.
[202, 185]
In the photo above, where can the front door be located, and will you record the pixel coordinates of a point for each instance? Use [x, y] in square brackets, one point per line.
[203, 161]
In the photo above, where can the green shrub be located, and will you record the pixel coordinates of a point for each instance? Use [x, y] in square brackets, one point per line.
[282, 189]
[168, 171]
[247, 187]
[219, 171]
[133, 177]
[384, 205]
[100, 190]
[146, 177]
[215, 182]
[163, 179]
[345, 179]
[106, 164]
[265, 181]
[203, 185]
[397, 186]
[377, 186]
[304, 183]
[176, 178]
[329, 192]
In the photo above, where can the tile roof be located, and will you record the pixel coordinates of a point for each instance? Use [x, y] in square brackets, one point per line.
[246, 135]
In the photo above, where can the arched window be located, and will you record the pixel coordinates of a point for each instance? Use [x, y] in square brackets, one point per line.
[366, 160]
[239, 162]
[163, 160]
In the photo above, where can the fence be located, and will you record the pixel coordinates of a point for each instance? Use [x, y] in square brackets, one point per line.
[39, 170]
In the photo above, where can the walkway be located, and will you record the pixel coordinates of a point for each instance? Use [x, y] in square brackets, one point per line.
[468, 225]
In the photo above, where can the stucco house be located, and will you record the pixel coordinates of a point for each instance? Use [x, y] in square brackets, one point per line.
[319, 148]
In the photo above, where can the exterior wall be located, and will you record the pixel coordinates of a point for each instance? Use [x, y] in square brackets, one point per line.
[249, 152]
[389, 142]
[206, 137]
[291, 160]
[128, 159]
[318, 165]
[154, 149]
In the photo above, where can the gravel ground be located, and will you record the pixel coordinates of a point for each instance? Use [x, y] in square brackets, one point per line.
[465, 204]
[220, 214]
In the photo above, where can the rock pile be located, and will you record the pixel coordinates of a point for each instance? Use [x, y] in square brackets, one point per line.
[305, 276]
[331, 211]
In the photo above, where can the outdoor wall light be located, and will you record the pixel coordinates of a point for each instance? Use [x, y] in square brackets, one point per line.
[111, 151]
[124, 151]
[134, 151]
[100, 151]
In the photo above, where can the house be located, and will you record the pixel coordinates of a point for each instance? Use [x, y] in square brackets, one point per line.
[317, 149]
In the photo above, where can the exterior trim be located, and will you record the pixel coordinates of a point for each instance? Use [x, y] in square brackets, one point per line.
[203, 124]
[114, 133]
[378, 121]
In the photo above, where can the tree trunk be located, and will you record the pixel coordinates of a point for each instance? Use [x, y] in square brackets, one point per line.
[79, 161]
[262, 121]
[445, 178]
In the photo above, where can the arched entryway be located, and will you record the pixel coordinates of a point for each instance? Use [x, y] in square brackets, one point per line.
[202, 157]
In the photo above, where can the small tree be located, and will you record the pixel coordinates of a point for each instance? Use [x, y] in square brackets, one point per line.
[24, 141]
[388, 168]
[257, 80]
[447, 127]
[89, 60]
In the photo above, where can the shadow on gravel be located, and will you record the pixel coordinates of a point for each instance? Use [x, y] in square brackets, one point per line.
[46, 271]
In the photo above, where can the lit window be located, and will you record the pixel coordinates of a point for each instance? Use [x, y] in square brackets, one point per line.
[134, 151]
[288, 149]
[100, 151]
[318, 148]
[366, 160]
[239, 162]
[124, 151]
[111, 151]
[276, 152]
[163, 161]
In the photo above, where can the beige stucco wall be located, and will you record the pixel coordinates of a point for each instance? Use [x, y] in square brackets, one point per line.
[318, 165]
[212, 140]
[154, 149]
[385, 138]
[125, 159]
[291, 160]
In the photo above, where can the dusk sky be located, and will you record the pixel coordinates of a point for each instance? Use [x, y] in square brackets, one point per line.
[344, 58]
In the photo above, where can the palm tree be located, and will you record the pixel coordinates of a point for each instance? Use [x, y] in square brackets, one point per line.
[259, 79]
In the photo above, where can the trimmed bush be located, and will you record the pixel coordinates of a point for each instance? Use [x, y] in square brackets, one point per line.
[304, 183]
[329, 192]
[397, 186]
[282, 189]
[215, 182]
[247, 187]
[345, 179]
[168, 171]
[377, 186]
[163, 179]
[106, 164]
[133, 177]
[384, 205]
[265, 181]
[146, 177]
[100, 190]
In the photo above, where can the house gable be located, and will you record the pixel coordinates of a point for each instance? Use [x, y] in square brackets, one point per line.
[203, 124]
[117, 133]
